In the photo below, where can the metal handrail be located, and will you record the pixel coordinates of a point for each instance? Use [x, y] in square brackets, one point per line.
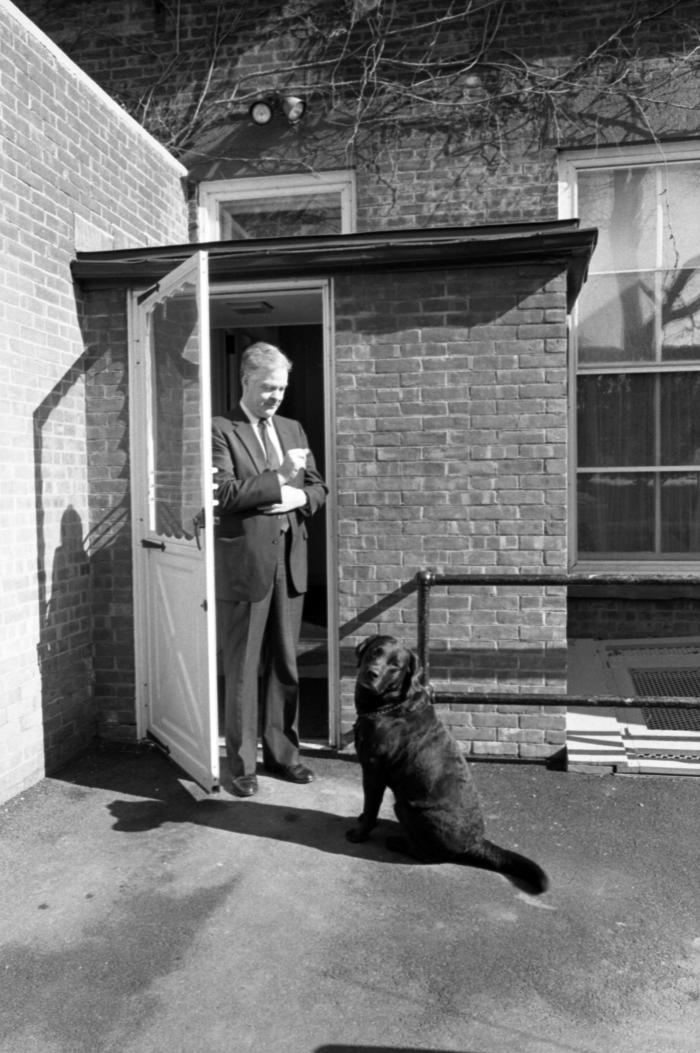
[427, 580]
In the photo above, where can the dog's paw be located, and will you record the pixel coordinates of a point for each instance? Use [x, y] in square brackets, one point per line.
[356, 835]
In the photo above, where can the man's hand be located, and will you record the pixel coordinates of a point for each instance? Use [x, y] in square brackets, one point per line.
[294, 461]
[292, 497]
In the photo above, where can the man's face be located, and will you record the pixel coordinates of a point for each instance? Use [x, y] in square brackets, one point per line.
[264, 390]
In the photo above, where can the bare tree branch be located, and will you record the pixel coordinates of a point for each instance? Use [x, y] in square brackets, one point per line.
[374, 71]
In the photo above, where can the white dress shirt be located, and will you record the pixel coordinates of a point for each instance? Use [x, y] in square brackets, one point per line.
[272, 436]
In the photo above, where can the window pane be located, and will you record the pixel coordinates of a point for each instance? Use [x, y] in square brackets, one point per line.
[616, 319]
[680, 418]
[176, 439]
[621, 202]
[680, 512]
[644, 310]
[680, 316]
[615, 514]
[680, 215]
[615, 414]
[281, 217]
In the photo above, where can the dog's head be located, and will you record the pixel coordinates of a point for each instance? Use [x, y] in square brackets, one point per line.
[386, 672]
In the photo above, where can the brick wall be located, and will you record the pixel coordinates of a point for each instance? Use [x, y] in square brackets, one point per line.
[104, 330]
[451, 431]
[622, 618]
[75, 172]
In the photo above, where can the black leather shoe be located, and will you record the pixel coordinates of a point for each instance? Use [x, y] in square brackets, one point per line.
[244, 785]
[292, 772]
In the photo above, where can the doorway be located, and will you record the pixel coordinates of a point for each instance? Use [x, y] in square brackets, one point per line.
[294, 317]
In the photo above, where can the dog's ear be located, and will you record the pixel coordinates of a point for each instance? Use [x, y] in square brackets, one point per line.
[362, 647]
[414, 673]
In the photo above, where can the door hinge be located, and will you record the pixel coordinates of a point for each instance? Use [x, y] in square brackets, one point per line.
[147, 293]
[155, 741]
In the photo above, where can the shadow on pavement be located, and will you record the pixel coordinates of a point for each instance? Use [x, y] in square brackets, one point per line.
[309, 827]
[147, 774]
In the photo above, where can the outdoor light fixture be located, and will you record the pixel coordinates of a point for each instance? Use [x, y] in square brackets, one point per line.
[293, 108]
[261, 112]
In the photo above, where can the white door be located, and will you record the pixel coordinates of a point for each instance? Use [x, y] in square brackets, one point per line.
[173, 520]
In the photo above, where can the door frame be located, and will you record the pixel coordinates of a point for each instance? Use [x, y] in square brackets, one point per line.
[138, 459]
[324, 287]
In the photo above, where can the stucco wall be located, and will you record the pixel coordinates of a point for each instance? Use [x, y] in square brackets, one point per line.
[75, 173]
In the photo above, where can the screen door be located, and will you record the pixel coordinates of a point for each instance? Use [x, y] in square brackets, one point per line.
[173, 498]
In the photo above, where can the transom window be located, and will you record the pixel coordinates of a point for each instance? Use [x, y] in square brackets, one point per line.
[277, 206]
[637, 351]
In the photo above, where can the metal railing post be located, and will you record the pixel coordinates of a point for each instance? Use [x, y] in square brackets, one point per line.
[424, 579]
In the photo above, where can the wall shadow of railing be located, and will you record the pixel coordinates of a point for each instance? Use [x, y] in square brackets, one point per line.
[319, 653]
[370, 614]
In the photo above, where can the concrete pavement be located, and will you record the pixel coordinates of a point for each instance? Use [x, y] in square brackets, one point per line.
[136, 918]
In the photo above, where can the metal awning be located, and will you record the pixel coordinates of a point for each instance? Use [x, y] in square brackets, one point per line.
[558, 241]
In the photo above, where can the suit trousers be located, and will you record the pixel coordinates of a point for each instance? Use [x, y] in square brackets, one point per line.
[258, 643]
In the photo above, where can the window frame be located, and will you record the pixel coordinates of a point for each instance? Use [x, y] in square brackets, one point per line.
[211, 195]
[570, 163]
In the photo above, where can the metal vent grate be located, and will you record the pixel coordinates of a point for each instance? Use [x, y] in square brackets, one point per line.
[691, 758]
[631, 650]
[683, 683]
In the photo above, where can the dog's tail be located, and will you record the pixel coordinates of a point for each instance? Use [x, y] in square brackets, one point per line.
[525, 873]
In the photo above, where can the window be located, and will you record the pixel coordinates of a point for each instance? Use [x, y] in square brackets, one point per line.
[637, 355]
[277, 206]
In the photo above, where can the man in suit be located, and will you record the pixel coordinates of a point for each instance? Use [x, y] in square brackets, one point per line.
[267, 486]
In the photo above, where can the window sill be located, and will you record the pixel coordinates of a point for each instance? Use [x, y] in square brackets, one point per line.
[653, 591]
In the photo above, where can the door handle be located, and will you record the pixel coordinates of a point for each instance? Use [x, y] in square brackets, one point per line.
[198, 523]
[147, 543]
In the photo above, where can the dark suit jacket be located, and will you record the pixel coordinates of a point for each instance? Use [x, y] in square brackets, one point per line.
[248, 541]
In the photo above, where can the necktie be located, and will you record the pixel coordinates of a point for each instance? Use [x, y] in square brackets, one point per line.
[272, 461]
[271, 458]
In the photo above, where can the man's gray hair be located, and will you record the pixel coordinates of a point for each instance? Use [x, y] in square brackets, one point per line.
[262, 356]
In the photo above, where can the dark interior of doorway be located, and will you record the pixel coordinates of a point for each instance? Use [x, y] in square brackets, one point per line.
[304, 401]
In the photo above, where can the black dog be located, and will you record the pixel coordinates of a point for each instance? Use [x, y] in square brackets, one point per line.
[401, 743]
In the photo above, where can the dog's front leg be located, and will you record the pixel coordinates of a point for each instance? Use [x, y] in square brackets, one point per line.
[373, 786]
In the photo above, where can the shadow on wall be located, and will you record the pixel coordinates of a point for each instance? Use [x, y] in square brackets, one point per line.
[81, 532]
[471, 662]
[63, 569]
[65, 646]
